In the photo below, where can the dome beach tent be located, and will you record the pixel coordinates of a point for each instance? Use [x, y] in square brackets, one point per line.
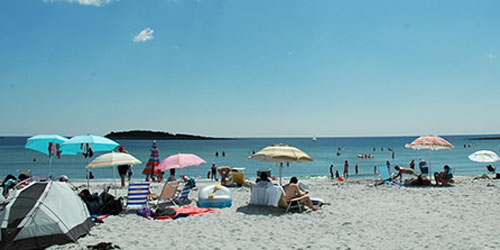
[43, 214]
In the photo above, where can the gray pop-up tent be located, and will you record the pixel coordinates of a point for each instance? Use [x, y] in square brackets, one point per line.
[43, 214]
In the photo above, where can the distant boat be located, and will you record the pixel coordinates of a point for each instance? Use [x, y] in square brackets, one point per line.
[314, 138]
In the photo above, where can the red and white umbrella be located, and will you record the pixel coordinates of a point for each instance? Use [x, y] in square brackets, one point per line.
[179, 161]
[431, 142]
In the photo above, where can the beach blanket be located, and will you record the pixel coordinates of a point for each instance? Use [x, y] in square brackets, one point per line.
[184, 212]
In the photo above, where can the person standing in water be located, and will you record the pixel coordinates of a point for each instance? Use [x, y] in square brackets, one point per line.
[356, 169]
[214, 172]
[346, 169]
[331, 171]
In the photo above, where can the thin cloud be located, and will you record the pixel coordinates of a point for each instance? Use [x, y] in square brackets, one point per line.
[96, 3]
[145, 35]
[492, 56]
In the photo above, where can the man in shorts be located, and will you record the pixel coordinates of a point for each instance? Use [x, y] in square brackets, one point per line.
[123, 169]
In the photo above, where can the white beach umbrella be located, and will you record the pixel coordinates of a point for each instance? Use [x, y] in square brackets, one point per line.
[281, 153]
[484, 156]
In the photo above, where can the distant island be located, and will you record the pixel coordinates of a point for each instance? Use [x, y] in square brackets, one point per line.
[155, 135]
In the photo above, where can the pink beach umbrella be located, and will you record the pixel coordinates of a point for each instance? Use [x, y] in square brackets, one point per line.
[431, 142]
[179, 161]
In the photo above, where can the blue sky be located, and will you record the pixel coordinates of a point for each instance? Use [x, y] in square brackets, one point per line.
[250, 68]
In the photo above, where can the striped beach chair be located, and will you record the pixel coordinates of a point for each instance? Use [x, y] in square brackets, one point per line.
[137, 195]
[183, 197]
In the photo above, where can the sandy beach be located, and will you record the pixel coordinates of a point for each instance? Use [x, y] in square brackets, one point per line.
[360, 216]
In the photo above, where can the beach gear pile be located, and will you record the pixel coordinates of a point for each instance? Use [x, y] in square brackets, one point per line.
[102, 204]
[43, 214]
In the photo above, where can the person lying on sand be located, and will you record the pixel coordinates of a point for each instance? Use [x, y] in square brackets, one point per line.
[292, 190]
[402, 171]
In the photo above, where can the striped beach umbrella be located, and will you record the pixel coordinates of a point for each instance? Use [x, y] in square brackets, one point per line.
[153, 162]
[113, 159]
[431, 142]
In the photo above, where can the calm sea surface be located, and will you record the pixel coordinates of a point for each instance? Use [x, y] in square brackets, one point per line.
[13, 156]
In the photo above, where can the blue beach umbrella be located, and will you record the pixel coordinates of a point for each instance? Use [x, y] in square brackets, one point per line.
[83, 143]
[97, 143]
[42, 143]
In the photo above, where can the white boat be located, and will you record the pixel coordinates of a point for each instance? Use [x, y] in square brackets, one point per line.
[314, 138]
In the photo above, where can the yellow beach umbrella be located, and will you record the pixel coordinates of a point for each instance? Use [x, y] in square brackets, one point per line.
[281, 153]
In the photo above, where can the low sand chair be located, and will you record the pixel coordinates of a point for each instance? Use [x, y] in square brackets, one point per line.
[292, 203]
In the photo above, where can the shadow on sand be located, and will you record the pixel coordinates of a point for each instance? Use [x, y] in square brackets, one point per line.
[261, 210]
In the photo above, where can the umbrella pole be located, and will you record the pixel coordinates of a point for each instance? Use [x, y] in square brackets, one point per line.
[88, 179]
[114, 179]
[430, 165]
[281, 166]
[50, 165]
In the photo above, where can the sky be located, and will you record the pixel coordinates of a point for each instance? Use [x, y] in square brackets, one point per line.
[259, 68]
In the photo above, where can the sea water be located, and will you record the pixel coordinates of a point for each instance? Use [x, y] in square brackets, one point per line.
[13, 156]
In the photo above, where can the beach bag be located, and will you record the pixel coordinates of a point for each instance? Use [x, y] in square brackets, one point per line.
[146, 212]
[112, 206]
[168, 211]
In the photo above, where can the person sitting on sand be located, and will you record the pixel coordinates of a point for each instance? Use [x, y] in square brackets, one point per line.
[402, 171]
[292, 190]
[443, 177]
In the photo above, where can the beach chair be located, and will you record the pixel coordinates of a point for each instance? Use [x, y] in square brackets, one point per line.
[137, 196]
[183, 196]
[385, 172]
[291, 204]
[167, 193]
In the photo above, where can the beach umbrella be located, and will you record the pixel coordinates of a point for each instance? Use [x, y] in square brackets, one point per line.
[281, 153]
[431, 142]
[153, 162]
[113, 159]
[96, 143]
[179, 161]
[47, 144]
[84, 143]
[484, 156]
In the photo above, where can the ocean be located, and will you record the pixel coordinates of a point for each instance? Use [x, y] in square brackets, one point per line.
[13, 156]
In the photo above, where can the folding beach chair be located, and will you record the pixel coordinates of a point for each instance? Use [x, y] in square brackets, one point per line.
[137, 195]
[167, 193]
[293, 203]
[183, 196]
[385, 172]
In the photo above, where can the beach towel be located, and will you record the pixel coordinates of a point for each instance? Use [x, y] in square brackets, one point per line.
[184, 212]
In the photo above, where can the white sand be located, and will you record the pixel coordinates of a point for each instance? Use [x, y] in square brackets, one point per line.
[361, 216]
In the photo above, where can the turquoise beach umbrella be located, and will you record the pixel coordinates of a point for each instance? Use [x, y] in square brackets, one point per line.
[97, 143]
[41, 144]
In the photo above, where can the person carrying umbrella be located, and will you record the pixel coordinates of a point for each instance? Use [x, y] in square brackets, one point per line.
[123, 169]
